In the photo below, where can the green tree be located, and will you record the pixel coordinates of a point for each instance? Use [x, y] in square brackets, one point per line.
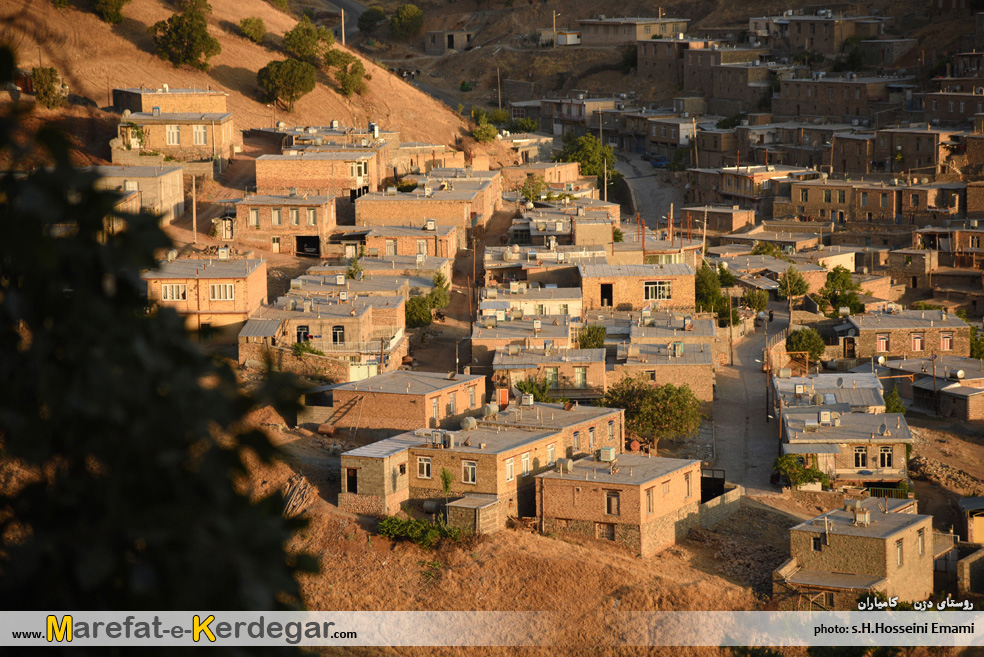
[125, 437]
[183, 40]
[285, 82]
[351, 78]
[618, 235]
[976, 343]
[539, 388]
[370, 18]
[808, 340]
[592, 336]
[253, 28]
[439, 297]
[485, 133]
[767, 248]
[110, 11]
[418, 312]
[532, 188]
[47, 87]
[725, 276]
[893, 401]
[798, 474]
[200, 6]
[524, 125]
[840, 290]
[354, 268]
[792, 281]
[656, 412]
[757, 300]
[499, 117]
[591, 154]
[447, 479]
[707, 288]
[629, 60]
[407, 21]
[308, 42]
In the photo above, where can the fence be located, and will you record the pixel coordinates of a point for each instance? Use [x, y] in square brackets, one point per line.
[894, 493]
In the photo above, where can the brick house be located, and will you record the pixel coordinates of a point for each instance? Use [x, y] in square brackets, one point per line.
[677, 363]
[785, 241]
[861, 449]
[844, 98]
[416, 266]
[662, 59]
[430, 239]
[826, 33]
[496, 460]
[772, 269]
[632, 287]
[948, 386]
[741, 86]
[699, 65]
[522, 299]
[440, 42]
[753, 187]
[560, 116]
[871, 545]
[926, 150]
[161, 188]
[905, 334]
[643, 503]
[357, 338]
[862, 393]
[297, 224]
[603, 31]
[667, 134]
[716, 147]
[347, 174]
[551, 172]
[182, 136]
[398, 401]
[490, 335]
[454, 208]
[720, 218]
[572, 373]
[337, 286]
[167, 100]
[209, 293]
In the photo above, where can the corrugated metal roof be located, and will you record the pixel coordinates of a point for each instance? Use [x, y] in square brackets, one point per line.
[261, 328]
[669, 269]
[817, 448]
[834, 580]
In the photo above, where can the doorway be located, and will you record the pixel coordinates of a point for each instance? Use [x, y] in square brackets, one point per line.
[275, 245]
[351, 480]
[307, 245]
[606, 294]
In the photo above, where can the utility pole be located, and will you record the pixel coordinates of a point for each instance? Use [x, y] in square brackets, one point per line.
[789, 297]
[605, 192]
[343, 26]
[498, 84]
[731, 331]
[703, 248]
[555, 29]
[194, 213]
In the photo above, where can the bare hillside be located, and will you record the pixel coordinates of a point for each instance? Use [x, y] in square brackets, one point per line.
[95, 57]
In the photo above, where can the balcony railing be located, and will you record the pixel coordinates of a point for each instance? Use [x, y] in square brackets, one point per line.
[386, 340]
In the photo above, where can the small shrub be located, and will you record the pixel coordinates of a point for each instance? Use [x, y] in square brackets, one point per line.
[524, 125]
[406, 185]
[371, 17]
[465, 85]
[110, 11]
[301, 348]
[253, 28]
[485, 133]
[422, 532]
[282, 5]
[47, 86]
[407, 21]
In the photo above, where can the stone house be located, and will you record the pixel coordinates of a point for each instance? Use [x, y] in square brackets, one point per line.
[754, 187]
[559, 116]
[182, 136]
[430, 240]
[741, 86]
[846, 98]
[662, 59]
[643, 503]
[167, 101]
[871, 545]
[606, 31]
[484, 186]
[551, 172]
[678, 363]
[717, 147]
[905, 334]
[720, 218]
[446, 208]
[398, 401]
[923, 151]
[522, 299]
[699, 65]
[495, 460]
[297, 224]
[490, 335]
[415, 267]
[632, 287]
[861, 392]
[572, 373]
[344, 174]
[852, 449]
[337, 286]
[826, 33]
[440, 42]
[948, 386]
[161, 188]
[209, 294]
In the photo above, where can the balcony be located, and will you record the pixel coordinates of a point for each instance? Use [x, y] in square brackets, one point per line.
[384, 339]
[869, 474]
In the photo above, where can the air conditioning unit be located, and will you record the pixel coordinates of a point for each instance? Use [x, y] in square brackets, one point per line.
[431, 225]
[606, 454]
[526, 400]
[339, 279]
[343, 295]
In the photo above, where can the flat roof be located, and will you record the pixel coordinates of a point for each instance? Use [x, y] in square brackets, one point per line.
[871, 428]
[548, 415]
[627, 469]
[113, 171]
[533, 357]
[269, 199]
[169, 90]
[383, 262]
[387, 447]
[318, 155]
[636, 19]
[523, 328]
[656, 355]
[945, 366]
[408, 231]
[606, 271]
[532, 293]
[907, 319]
[163, 117]
[404, 382]
[188, 268]
[831, 580]
[668, 325]
[881, 525]
[260, 328]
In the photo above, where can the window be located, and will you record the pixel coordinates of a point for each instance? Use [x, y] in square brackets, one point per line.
[612, 503]
[918, 340]
[884, 200]
[469, 472]
[591, 438]
[403, 469]
[577, 441]
[864, 199]
[687, 483]
[254, 217]
[338, 334]
[611, 431]
[552, 375]
[423, 467]
[471, 397]
[915, 200]
[435, 409]
[649, 500]
[881, 341]
[921, 541]
[421, 247]
[804, 196]
[841, 196]
[510, 469]
[580, 377]
[453, 404]
[898, 552]
[658, 290]
[295, 217]
[946, 341]
[525, 460]
[665, 487]
[221, 292]
[199, 135]
[860, 457]
[817, 543]
[975, 241]
[173, 133]
[391, 247]
[826, 196]
[312, 217]
[174, 292]
[551, 454]
[885, 457]
[303, 334]
[276, 217]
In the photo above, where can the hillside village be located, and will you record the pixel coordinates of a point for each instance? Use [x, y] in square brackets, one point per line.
[788, 238]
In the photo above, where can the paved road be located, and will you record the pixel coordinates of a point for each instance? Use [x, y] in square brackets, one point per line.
[651, 188]
[352, 9]
[745, 443]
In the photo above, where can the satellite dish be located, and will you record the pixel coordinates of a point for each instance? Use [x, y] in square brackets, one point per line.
[840, 382]
[126, 113]
[851, 333]
[818, 399]
[882, 429]
[881, 360]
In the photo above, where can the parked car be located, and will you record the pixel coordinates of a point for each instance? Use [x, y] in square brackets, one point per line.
[659, 161]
